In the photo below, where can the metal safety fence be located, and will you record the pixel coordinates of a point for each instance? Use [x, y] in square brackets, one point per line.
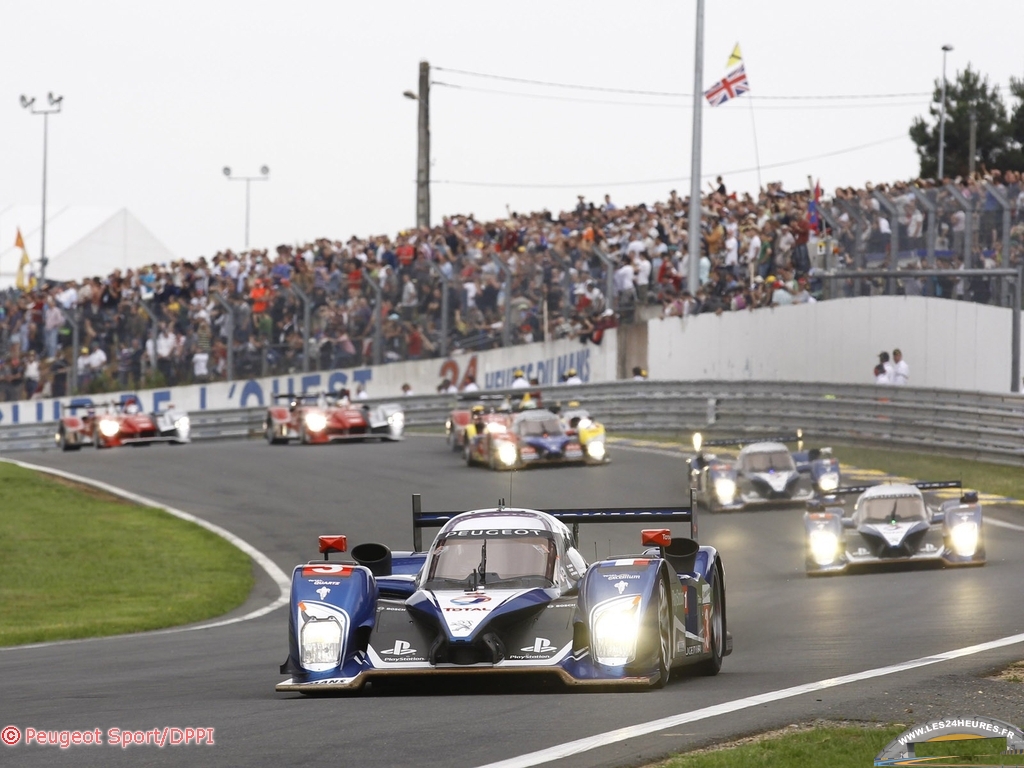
[970, 425]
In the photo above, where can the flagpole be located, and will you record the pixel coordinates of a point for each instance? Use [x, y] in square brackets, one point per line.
[757, 156]
[693, 221]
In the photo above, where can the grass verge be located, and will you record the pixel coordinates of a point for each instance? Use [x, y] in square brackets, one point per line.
[837, 746]
[76, 563]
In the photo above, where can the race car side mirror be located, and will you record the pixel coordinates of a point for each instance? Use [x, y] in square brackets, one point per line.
[848, 522]
[938, 516]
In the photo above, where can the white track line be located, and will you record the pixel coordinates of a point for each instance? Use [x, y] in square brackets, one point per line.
[631, 732]
[1004, 524]
[276, 574]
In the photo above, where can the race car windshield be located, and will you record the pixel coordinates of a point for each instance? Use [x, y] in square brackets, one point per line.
[779, 461]
[536, 427]
[468, 562]
[899, 510]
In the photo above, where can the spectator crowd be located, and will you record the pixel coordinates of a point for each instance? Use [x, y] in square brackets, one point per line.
[569, 275]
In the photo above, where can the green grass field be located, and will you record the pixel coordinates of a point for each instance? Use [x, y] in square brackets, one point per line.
[77, 563]
[834, 746]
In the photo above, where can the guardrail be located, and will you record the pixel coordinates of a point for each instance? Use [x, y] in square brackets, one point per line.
[971, 425]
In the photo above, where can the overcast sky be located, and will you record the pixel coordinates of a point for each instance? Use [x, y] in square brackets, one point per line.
[159, 96]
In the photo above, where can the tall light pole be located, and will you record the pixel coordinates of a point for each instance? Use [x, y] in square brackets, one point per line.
[265, 176]
[54, 108]
[693, 273]
[422, 147]
[942, 116]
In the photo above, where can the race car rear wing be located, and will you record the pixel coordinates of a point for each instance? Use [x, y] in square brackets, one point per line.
[932, 485]
[573, 517]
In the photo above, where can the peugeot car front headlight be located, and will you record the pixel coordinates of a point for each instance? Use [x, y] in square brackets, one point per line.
[965, 539]
[183, 424]
[829, 481]
[507, 454]
[109, 427]
[320, 642]
[316, 422]
[725, 489]
[595, 450]
[824, 547]
[615, 626]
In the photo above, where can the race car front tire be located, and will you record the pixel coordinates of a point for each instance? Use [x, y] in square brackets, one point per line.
[63, 442]
[665, 625]
[713, 665]
[271, 435]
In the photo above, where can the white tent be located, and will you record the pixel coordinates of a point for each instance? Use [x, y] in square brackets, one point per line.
[81, 241]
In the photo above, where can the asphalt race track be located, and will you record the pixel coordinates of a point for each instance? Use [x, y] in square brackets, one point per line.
[788, 629]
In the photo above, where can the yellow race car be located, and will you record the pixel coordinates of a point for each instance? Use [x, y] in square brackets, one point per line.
[588, 430]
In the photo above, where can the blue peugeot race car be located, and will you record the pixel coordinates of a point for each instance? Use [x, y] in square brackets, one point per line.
[506, 590]
[763, 473]
[892, 524]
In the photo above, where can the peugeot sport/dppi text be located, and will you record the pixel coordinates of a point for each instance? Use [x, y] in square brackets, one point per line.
[313, 418]
[764, 472]
[535, 438]
[506, 590]
[113, 424]
[893, 524]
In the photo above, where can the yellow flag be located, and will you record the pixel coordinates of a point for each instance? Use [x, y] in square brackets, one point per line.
[23, 281]
[735, 58]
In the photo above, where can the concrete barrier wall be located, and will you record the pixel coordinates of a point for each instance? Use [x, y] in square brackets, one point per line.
[546, 361]
[947, 344]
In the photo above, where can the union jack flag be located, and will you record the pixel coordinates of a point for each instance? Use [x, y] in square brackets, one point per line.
[729, 87]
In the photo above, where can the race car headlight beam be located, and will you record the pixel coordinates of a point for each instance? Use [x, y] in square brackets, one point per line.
[829, 481]
[316, 422]
[595, 450]
[725, 489]
[615, 626]
[507, 454]
[109, 427]
[824, 547]
[964, 537]
[183, 424]
[320, 643]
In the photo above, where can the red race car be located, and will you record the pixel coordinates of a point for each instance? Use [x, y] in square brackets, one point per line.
[328, 418]
[113, 424]
[472, 414]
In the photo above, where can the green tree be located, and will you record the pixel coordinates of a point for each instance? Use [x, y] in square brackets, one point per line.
[967, 91]
[1015, 129]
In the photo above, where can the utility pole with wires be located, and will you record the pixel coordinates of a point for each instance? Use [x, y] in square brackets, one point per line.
[422, 146]
[693, 224]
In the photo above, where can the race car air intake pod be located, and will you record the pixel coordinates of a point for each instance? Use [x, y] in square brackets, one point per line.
[376, 557]
[682, 554]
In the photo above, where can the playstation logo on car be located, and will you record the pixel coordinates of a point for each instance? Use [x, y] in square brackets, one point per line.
[471, 599]
[402, 648]
[540, 645]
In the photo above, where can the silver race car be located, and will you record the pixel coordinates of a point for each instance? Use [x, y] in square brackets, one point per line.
[893, 524]
[764, 472]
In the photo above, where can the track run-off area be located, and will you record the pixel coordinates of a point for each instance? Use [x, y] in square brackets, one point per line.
[804, 648]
